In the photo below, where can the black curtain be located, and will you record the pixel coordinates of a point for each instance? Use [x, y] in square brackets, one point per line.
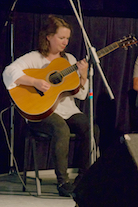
[117, 67]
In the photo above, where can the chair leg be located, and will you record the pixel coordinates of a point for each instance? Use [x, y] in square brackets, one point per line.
[49, 153]
[25, 162]
[31, 142]
[38, 184]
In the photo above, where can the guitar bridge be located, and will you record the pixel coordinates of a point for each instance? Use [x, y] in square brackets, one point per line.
[40, 92]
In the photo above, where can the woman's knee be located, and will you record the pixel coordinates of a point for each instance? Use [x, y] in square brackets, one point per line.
[62, 131]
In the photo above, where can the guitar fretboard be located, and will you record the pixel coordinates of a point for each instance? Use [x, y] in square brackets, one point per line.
[68, 70]
[107, 49]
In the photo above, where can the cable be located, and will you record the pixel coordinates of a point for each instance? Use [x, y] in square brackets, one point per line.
[7, 140]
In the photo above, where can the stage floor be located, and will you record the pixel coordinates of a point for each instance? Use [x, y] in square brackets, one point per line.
[11, 194]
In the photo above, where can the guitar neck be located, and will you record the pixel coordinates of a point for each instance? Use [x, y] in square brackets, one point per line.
[68, 70]
[100, 54]
[107, 49]
[125, 42]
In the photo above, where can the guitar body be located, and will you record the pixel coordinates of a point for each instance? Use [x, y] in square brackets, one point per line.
[35, 106]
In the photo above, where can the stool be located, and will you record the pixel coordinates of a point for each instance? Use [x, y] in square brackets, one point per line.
[30, 141]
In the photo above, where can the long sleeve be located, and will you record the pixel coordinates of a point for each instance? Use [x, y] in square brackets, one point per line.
[15, 70]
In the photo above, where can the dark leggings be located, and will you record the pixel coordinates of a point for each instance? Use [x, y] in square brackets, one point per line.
[59, 129]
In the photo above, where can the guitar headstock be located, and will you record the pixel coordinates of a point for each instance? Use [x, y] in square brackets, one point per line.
[126, 42]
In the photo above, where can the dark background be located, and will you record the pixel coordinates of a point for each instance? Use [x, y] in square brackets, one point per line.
[122, 8]
[105, 22]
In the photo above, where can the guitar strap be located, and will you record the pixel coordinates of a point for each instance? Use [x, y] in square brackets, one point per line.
[64, 55]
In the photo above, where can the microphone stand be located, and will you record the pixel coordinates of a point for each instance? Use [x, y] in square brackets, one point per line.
[12, 169]
[94, 60]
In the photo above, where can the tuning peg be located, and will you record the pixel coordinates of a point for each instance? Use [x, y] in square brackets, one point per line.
[135, 41]
[129, 44]
[125, 47]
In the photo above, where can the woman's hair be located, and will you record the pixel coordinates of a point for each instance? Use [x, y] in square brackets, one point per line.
[50, 28]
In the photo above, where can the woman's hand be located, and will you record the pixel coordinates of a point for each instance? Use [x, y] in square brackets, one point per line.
[135, 83]
[83, 70]
[41, 85]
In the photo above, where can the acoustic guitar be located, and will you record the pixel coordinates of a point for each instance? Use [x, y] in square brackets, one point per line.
[36, 105]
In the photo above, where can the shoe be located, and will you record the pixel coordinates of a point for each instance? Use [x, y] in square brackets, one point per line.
[65, 189]
[77, 180]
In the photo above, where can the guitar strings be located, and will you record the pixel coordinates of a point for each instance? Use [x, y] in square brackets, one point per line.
[69, 70]
[56, 77]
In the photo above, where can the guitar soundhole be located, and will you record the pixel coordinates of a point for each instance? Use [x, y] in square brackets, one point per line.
[55, 78]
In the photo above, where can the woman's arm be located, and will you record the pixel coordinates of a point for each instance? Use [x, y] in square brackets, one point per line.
[40, 84]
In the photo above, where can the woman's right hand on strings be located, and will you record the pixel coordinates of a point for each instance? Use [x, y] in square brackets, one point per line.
[41, 85]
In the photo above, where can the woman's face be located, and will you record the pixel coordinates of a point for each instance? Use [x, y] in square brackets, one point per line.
[60, 40]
